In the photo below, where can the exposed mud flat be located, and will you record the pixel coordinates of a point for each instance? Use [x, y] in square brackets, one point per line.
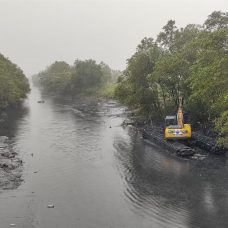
[10, 165]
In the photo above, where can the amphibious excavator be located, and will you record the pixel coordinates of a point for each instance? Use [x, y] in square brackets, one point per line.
[176, 127]
[176, 134]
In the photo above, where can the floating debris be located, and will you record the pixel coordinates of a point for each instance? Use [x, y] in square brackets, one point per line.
[51, 206]
[198, 157]
[41, 102]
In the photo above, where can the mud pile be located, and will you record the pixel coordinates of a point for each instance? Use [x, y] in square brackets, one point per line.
[10, 165]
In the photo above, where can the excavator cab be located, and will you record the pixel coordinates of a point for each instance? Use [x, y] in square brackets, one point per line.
[176, 127]
[170, 120]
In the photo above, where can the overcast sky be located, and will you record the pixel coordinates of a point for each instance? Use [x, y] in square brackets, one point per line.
[35, 33]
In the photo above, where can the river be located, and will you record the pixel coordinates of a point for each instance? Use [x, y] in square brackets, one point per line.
[98, 174]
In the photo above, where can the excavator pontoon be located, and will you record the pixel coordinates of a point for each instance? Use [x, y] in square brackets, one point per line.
[176, 135]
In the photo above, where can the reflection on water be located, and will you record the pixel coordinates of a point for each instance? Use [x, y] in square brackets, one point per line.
[98, 174]
[12, 118]
[173, 192]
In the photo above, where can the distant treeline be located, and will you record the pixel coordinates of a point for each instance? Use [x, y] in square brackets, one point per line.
[83, 78]
[190, 62]
[13, 84]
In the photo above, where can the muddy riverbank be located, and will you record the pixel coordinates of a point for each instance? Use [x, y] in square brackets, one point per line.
[155, 131]
[11, 166]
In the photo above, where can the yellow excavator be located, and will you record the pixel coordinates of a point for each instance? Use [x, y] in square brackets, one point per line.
[176, 127]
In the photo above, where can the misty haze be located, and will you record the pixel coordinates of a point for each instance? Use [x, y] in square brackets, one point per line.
[113, 113]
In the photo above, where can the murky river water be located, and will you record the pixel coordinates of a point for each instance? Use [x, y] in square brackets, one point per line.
[99, 176]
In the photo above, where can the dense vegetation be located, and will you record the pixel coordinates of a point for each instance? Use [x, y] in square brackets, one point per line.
[190, 62]
[13, 84]
[83, 78]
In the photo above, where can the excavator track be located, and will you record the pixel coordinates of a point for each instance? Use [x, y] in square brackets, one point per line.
[179, 149]
[183, 148]
[206, 143]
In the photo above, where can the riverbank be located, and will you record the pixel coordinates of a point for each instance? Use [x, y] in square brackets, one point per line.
[98, 176]
[199, 140]
[11, 166]
[154, 132]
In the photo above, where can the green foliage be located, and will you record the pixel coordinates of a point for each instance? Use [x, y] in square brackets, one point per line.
[56, 78]
[170, 74]
[134, 87]
[83, 78]
[167, 37]
[109, 90]
[217, 20]
[190, 63]
[13, 84]
[222, 127]
[209, 76]
[87, 76]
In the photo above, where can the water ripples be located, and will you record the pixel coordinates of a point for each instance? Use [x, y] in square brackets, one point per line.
[169, 191]
[83, 151]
